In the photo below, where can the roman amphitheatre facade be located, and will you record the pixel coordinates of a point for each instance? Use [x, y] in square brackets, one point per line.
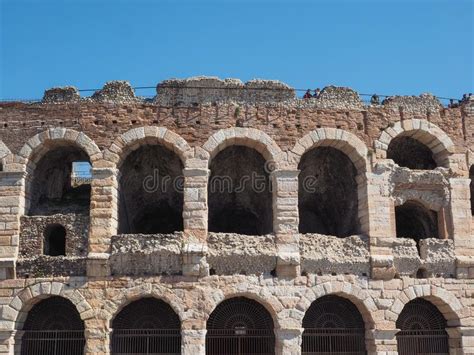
[222, 217]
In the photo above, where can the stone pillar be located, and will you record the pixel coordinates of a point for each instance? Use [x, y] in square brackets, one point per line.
[97, 339]
[461, 340]
[195, 213]
[380, 224]
[7, 342]
[461, 219]
[288, 341]
[195, 202]
[12, 205]
[193, 341]
[103, 219]
[381, 341]
[285, 221]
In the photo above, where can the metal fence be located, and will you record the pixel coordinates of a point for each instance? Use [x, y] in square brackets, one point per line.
[240, 341]
[423, 342]
[146, 341]
[53, 342]
[339, 341]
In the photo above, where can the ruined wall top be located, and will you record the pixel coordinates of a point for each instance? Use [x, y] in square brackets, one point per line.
[204, 90]
[201, 90]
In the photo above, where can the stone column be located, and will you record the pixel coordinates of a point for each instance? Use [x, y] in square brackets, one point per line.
[381, 341]
[7, 342]
[193, 341]
[461, 340]
[97, 339]
[103, 219]
[12, 206]
[461, 219]
[288, 341]
[380, 225]
[285, 221]
[195, 213]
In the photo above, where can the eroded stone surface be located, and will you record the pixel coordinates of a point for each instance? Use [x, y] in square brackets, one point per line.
[241, 254]
[146, 254]
[61, 95]
[323, 254]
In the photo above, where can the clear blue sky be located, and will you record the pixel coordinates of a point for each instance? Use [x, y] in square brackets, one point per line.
[383, 46]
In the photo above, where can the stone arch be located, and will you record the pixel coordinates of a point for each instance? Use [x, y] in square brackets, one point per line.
[339, 139]
[113, 308]
[159, 211]
[346, 204]
[41, 143]
[358, 296]
[249, 137]
[267, 300]
[431, 200]
[424, 132]
[136, 137]
[25, 299]
[444, 300]
[79, 146]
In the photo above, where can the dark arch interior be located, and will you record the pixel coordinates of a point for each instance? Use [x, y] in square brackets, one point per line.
[240, 312]
[51, 189]
[333, 312]
[471, 176]
[415, 221]
[147, 313]
[240, 199]
[423, 329]
[53, 313]
[146, 326]
[240, 326]
[410, 153]
[333, 325]
[328, 201]
[420, 314]
[150, 191]
[54, 240]
[53, 326]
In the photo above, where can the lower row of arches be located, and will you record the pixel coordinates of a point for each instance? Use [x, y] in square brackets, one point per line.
[239, 325]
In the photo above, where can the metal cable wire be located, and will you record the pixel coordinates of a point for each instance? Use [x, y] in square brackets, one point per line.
[213, 88]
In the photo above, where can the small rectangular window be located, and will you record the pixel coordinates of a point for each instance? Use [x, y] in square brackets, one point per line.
[81, 173]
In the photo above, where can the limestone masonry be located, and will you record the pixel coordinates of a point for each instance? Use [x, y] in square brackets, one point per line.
[227, 217]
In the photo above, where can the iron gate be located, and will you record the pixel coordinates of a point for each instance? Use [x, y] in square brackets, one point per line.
[240, 341]
[333, 325]
[423, 342]
[344, 341]
[146, 341]
[53, 342]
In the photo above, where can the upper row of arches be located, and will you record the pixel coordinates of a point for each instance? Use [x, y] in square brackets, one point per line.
[151, 159]
[434, 145]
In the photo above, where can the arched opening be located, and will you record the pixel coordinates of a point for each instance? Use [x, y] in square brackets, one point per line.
[327, 191]
[240, 326]
[146, 326]
[53, 326]
[52, 188]
[422, 329]
[54, 243]
[471, 185]
[410, 153]
[333, 325]
[240, 199]
[151, 192]
[415, 221]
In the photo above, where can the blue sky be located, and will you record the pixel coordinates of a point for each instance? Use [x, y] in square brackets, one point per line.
[383, 46]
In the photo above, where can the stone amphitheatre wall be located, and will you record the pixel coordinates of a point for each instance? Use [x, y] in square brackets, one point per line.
[195, 269]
